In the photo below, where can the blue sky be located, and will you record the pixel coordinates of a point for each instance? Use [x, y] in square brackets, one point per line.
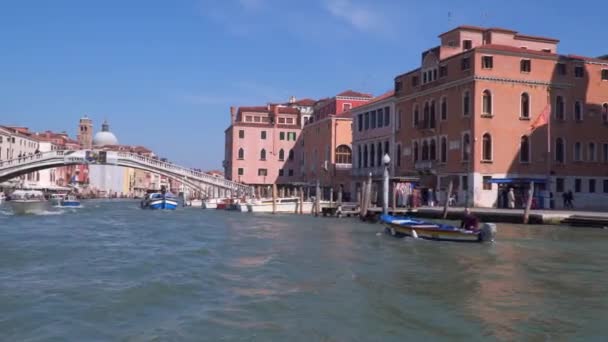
[164, 73]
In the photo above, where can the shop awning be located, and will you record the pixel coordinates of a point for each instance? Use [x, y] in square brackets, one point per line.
[517, 180]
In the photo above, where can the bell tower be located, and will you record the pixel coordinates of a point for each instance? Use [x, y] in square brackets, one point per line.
[85, 132]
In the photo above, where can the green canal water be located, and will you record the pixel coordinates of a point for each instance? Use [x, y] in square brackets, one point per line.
[113, 272]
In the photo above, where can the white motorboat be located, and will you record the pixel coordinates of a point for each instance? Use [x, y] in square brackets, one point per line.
[282, 205]
[56, 199]
[28, 202]
[212, 203]
[194, 203]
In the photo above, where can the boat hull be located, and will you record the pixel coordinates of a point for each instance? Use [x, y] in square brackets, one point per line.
[28, 207]
[70, 204]
[438, 232]
[161, 204]
[280, 207]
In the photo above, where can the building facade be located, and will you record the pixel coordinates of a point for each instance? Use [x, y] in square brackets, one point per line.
[493, 109]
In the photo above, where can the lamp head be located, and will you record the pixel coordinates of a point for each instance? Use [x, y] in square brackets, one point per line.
[386, 159]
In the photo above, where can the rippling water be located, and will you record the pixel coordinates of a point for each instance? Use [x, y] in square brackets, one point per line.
[111, 271]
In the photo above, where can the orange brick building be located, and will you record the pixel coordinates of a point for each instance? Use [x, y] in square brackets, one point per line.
[467, 112]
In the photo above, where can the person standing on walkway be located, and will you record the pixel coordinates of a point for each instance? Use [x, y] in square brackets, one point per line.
[570, 199]
[511, 198]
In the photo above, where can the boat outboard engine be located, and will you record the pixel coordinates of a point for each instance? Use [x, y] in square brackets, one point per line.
[488, 232]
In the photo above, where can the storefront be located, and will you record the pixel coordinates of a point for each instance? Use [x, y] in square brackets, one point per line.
[521, 186]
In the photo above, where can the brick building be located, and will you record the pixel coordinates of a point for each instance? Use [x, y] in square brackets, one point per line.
[467, 113]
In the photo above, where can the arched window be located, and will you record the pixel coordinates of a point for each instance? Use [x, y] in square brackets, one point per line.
[291, 155]
[344, 155]
[486, 153]
[444, 108]
[379, 154]
[365, 156]
[524, 149]
[433, 150]
[560, 152]
[432, 118]
[281, 155]
[486, 103]
[466, 146]
[559, 108]
[578, 111]
[605, 112]
[466, 103]
[591, 152]
[425, 115]
[372, 155]
[415, 151]
[444, 150]
[263, 154]
[577, 151]
[398, 155]
[241, 153]
[425, 150]
[359, 161]
[525, 106]
[416, 115]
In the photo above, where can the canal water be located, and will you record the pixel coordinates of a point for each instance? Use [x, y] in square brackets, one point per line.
[113, 272]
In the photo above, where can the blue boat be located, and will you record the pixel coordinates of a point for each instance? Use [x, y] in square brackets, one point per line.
[407, 226]
[160, 200]
[70, 201]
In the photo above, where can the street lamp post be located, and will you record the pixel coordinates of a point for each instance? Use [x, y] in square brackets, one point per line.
[386, 160]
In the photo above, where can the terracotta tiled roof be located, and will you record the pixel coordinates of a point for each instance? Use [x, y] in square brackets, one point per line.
[377, 99]
[352, 93]
[305, 102]
[529, 37]
[509, 48]
[254, 109]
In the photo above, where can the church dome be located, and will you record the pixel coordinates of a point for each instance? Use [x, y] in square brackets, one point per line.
[105, 137]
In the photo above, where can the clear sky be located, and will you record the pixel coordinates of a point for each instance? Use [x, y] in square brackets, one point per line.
[164, 73]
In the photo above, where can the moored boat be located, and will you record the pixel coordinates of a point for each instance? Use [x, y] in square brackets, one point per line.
[282, 205]
[160, 200]
[406, 226]
[28, 202]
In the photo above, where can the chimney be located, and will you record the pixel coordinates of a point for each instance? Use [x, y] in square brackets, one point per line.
[276, 114]
[292, 100]
[232, 114]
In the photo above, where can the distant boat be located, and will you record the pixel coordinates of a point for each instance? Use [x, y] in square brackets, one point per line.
[56, 199]
[406, 226]
[70, 201]
[28, 202]
[160, 200]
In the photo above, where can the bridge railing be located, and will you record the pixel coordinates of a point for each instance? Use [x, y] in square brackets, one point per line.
[26, 159]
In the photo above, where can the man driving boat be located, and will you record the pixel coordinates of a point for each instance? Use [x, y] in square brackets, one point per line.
[469, 221]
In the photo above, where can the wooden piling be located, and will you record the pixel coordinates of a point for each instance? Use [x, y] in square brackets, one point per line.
[331, 197]
[274, 198]
[318, 198]
[340, 190]
[301, 201]
[528, 203]
[446, 205]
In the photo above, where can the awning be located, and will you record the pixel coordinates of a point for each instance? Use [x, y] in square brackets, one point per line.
[516, 180]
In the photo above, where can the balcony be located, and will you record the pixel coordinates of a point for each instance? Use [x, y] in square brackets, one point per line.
[423, 165]
[340, 167]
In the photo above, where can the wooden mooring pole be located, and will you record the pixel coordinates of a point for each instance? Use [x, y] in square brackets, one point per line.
[446, 205]
[529, 203]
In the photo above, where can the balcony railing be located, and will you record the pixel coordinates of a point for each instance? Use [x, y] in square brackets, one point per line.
[344, 166]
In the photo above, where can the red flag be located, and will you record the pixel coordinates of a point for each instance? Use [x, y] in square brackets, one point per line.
[542, 119]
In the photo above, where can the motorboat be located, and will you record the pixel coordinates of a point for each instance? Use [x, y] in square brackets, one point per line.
[28, 202]
[56, 199]
[194, 203]
[282, 205]
[160, 200]
[212, 203]
[238, 205]
[70, 201]
[407, 226]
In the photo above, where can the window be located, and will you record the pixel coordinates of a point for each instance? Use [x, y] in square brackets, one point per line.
[578, 111]
[415, 151]
[486, 152]
[465, 63]
[579, 72]
[524, 149]
[281, 135]
[240, 171]
[425, 150]
[398, 119]
[344, 155]
[424, 78]
[444, 108]
[560, 152]
[291, 136]
[487, 102]
[561, 69]
[432, 118]
[263, 135]
[525, 65]
[486, 182]
[262, 172]
[346, 106]
[559, 184]
[256, 119]
[466, 146]
[592, 185]
[577, 151]
[425, 115]
[467, 44]
[387, 116]
[398, 86]
[577, 185]
[466, 103]
[281, 172]
[281, 120]
[359, 161]
[291, 154]
[241, 154]
[241, 134]
[290, 172]
[281, 155]
[444, 150]
[379, 154]
[372, 155]
[559, 108]
[465, 183]
[415, 81]
[487, 62]
[263, 154]
[605, 112]
[605, 185]
[386, 149]
[399, 155]
[360, 122]
[366, 120]
[443, 71]
[591, 152]
[525, 106]
[433, 150]
[380, 118]
[547, 50]
[365, 156]
[604, 74]
[373, 119]
[416, 116]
